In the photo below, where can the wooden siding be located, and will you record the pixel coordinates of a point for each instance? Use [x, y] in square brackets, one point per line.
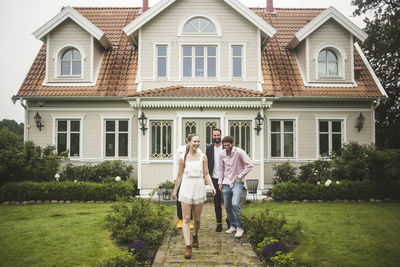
[301, 54]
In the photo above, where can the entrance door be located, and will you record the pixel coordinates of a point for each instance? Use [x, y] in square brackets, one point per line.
[202, 127]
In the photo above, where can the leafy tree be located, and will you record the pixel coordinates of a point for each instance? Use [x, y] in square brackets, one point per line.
[382, 48]
[13, 126]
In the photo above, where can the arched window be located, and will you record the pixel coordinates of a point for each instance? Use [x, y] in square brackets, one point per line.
[328, 63]
[71, 62]
[199, 25]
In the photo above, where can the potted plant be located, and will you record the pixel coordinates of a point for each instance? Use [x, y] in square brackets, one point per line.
[166, 188]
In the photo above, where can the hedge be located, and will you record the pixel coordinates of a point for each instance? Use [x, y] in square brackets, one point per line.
[350, 190]
[82, 191]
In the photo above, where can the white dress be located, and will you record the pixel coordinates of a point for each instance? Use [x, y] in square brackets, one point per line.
[192, 189]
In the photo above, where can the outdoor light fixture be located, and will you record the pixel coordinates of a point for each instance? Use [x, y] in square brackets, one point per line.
[143, 123]
[259, 121]
[38, 121]
[360, 122]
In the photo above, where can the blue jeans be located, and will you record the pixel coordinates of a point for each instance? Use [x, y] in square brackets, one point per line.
[232, 203]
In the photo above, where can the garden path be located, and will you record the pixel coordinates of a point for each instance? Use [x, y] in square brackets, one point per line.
[216, 249]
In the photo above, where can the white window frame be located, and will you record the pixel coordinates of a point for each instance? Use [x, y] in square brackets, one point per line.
[319, 118]
[206, 16]
[103, 136]
[341, 56]
[243, 45]
[155, 61]
[251, 148]
[163, 159]
[295, 119]
[61, 49]
[282, 138]
[193, 57]
[68, 119]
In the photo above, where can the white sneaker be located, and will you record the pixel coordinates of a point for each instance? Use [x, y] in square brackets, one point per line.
[231, 230]
[239, 233]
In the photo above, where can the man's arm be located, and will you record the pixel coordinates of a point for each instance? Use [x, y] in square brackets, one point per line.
[221, 168]
[248, 166]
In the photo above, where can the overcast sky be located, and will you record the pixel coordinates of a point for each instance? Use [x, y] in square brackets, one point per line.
[20, 18]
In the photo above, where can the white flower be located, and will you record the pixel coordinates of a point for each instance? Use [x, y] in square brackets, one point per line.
[118, 179]
[328, 183]
[337, 182]
[57, 176]
[318, 183]
[75, 181]
[316, 171]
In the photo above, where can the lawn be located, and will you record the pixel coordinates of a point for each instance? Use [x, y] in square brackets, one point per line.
[55, 235]
[343, 234]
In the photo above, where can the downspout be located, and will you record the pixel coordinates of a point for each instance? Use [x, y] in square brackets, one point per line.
[21, 101]
[376, 103]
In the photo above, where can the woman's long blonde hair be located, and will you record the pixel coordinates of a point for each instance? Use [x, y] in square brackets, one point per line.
[188, 139]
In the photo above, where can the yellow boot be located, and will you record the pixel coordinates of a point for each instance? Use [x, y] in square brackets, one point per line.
[179, 225]
[191, 226]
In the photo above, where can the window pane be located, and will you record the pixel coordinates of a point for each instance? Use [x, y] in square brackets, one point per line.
[203, 23]
[188, 28]
[199, 67]
[211, 67]
[336, 142]
[323, 126]
[187, 67]
[62, 126]
[65, 67]
[321, 68]
[288, 126]
[169, 140]
[74, 151]
[247, 139]
[323, 145]
[162, 67]
[61, 142]
[187, 51]
[76, 54]
[275, 126]
[153, 139]
[237, 51]
[76, 67]
[336, 126]
[123, 145]
[331, 56]
[199, 51]
[210, 28]
[123, 126]
[162, 51]
[67, 55]
[110, 126]
[237, 67]
[333, 69]
[110, 145]
[288, 145]
[75, 126]
[211, 51]
[275, 145]
[322, 55]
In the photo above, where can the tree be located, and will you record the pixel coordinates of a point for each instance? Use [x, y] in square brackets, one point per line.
[382, 48]
[13, 126]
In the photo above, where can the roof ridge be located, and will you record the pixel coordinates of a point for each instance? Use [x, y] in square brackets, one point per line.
[102, 7]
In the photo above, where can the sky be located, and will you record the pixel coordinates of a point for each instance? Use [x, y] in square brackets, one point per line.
[20, 18]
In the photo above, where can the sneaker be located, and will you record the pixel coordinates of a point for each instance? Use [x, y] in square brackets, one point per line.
[239, 233]
[179, 225]
[191, 226]
[231, 230]
[219, 228]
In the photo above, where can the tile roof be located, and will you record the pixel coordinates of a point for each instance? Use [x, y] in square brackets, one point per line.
[119, 66]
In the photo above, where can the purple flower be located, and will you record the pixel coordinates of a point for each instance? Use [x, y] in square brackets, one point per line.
[270, 249]
[137, 247]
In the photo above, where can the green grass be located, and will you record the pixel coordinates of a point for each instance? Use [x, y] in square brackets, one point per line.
[344, 234]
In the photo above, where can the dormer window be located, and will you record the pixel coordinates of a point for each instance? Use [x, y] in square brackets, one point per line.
[328, 63]
[71, 63]
[199, 25]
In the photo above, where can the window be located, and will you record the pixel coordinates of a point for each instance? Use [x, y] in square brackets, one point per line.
[199, 25]
[71, 63]
[237, 61]
[330, 136]
[68, 136]
[200, 61]
[161, 61]
[282, 138]
[328, 64]
[116, 138]
[241, 133]
[161, 139]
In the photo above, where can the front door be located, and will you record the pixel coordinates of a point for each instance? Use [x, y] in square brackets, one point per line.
[202, 127]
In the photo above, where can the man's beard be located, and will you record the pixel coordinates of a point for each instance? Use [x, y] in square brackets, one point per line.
[217, 140]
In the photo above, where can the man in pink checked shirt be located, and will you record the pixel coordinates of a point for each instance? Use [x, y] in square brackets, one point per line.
[234, 165]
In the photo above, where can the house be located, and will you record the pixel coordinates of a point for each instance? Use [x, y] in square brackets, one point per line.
[131, 83]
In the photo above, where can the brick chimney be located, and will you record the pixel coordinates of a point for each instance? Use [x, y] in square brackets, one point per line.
[270, 7]
[145, 5]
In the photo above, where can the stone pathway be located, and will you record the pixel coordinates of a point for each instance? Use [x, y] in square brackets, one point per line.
[216, 249]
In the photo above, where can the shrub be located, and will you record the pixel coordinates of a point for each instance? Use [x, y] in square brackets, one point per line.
[138, 220]
[271, 249]
[283, 260]
[167, 185]
[316, 171]
[384, 165]
[121, 260]
[96, 173]
[140, 249]
[284, 172]
[83, 191]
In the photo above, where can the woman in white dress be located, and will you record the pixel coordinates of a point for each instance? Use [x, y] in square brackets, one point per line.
[193, 171]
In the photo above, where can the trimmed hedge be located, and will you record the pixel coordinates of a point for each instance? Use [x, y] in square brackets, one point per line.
[82, 191]
[351, 190]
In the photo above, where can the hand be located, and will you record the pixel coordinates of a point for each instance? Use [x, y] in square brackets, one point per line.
[238, 179]
[174, 196]
[213, 190]
[220, 187]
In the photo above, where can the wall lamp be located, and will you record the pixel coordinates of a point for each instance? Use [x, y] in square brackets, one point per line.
[259, 121]
[38, 121]
[143, 123]
[360, 122]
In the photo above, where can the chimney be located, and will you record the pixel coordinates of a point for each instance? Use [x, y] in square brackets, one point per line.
[145, 5]
[270, 7]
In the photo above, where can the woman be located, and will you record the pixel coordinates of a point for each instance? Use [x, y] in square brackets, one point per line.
[192, 168]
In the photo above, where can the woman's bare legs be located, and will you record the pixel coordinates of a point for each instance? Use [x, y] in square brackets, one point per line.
[196, 217]
[186, 210]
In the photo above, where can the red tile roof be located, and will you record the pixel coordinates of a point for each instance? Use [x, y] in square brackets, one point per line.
[119, 66]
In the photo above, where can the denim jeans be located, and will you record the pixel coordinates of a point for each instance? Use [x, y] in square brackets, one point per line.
[232, 203]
